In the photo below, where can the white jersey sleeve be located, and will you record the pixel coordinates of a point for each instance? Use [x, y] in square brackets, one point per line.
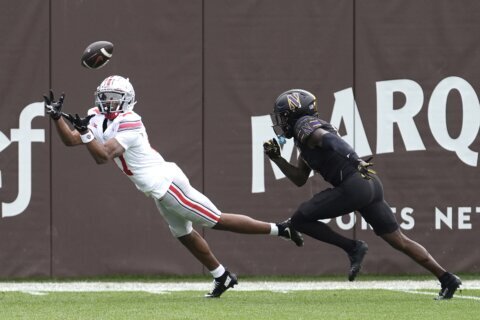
[93, 110]
[130, 134]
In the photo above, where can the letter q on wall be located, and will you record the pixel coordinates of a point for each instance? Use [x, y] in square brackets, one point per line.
[437, 118]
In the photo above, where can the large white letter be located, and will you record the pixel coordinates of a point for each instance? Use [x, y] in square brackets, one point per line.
[345, 109]
[437, 118]
[24, 135]
[261, 132]
[4, 142]
[403, 117]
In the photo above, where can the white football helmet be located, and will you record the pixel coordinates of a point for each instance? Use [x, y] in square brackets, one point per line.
[115, 95]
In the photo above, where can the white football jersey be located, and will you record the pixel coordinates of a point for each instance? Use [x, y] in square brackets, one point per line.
[140, 162]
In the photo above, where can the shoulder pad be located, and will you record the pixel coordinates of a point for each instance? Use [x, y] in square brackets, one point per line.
[129, 116]
[129, 121]
[305, 126]
[93, 110]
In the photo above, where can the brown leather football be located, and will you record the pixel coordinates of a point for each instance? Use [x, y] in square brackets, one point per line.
[97, 54]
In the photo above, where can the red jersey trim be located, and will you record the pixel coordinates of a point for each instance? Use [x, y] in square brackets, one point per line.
[192, 206]
[130, 125]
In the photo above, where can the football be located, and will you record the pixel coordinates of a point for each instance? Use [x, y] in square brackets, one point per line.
[97, 54]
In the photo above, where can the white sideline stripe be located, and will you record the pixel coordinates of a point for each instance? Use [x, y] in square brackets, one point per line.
[457, 294]
[163, 287]
[36, 293]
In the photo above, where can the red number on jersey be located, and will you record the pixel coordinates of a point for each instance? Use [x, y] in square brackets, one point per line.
[124, 166]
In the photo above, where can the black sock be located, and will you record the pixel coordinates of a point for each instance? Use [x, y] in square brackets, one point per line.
[444, 277]
[280, 228]
[324, 233]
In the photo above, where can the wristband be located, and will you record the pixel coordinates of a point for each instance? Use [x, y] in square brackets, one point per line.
[87, 137]
[55, 116]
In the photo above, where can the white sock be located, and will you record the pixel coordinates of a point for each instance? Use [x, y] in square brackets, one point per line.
[218, 271]
[273, 229]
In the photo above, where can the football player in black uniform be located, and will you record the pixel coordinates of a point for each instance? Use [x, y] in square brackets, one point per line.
[356, 187]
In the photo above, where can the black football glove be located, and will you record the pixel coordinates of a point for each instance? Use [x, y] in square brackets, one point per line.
[272, 149]
[54, 108]
[81, 124]
[364, 168]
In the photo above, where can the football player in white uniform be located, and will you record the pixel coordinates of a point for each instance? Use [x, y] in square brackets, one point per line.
[113, 131]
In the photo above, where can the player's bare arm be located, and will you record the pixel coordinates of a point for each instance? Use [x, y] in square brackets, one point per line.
[297, 174]
[54, 109]
[69, 137]
[102, 153]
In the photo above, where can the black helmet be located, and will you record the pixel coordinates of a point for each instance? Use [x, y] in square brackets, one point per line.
[291, 106]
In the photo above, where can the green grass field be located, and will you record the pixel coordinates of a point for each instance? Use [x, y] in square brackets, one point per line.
[239, 304]
[342, 304]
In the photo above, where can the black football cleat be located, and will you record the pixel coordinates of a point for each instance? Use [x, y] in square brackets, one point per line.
[286, 231]
[223, 283]
[450, 283]
[356, 258]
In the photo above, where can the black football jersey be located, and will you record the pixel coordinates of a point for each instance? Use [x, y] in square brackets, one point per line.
[333, 167]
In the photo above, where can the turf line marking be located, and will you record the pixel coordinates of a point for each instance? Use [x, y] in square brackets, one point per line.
[456, 296]
[35, 293]
[272, 286]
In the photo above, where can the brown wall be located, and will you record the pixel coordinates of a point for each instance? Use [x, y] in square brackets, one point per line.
[205, 73]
